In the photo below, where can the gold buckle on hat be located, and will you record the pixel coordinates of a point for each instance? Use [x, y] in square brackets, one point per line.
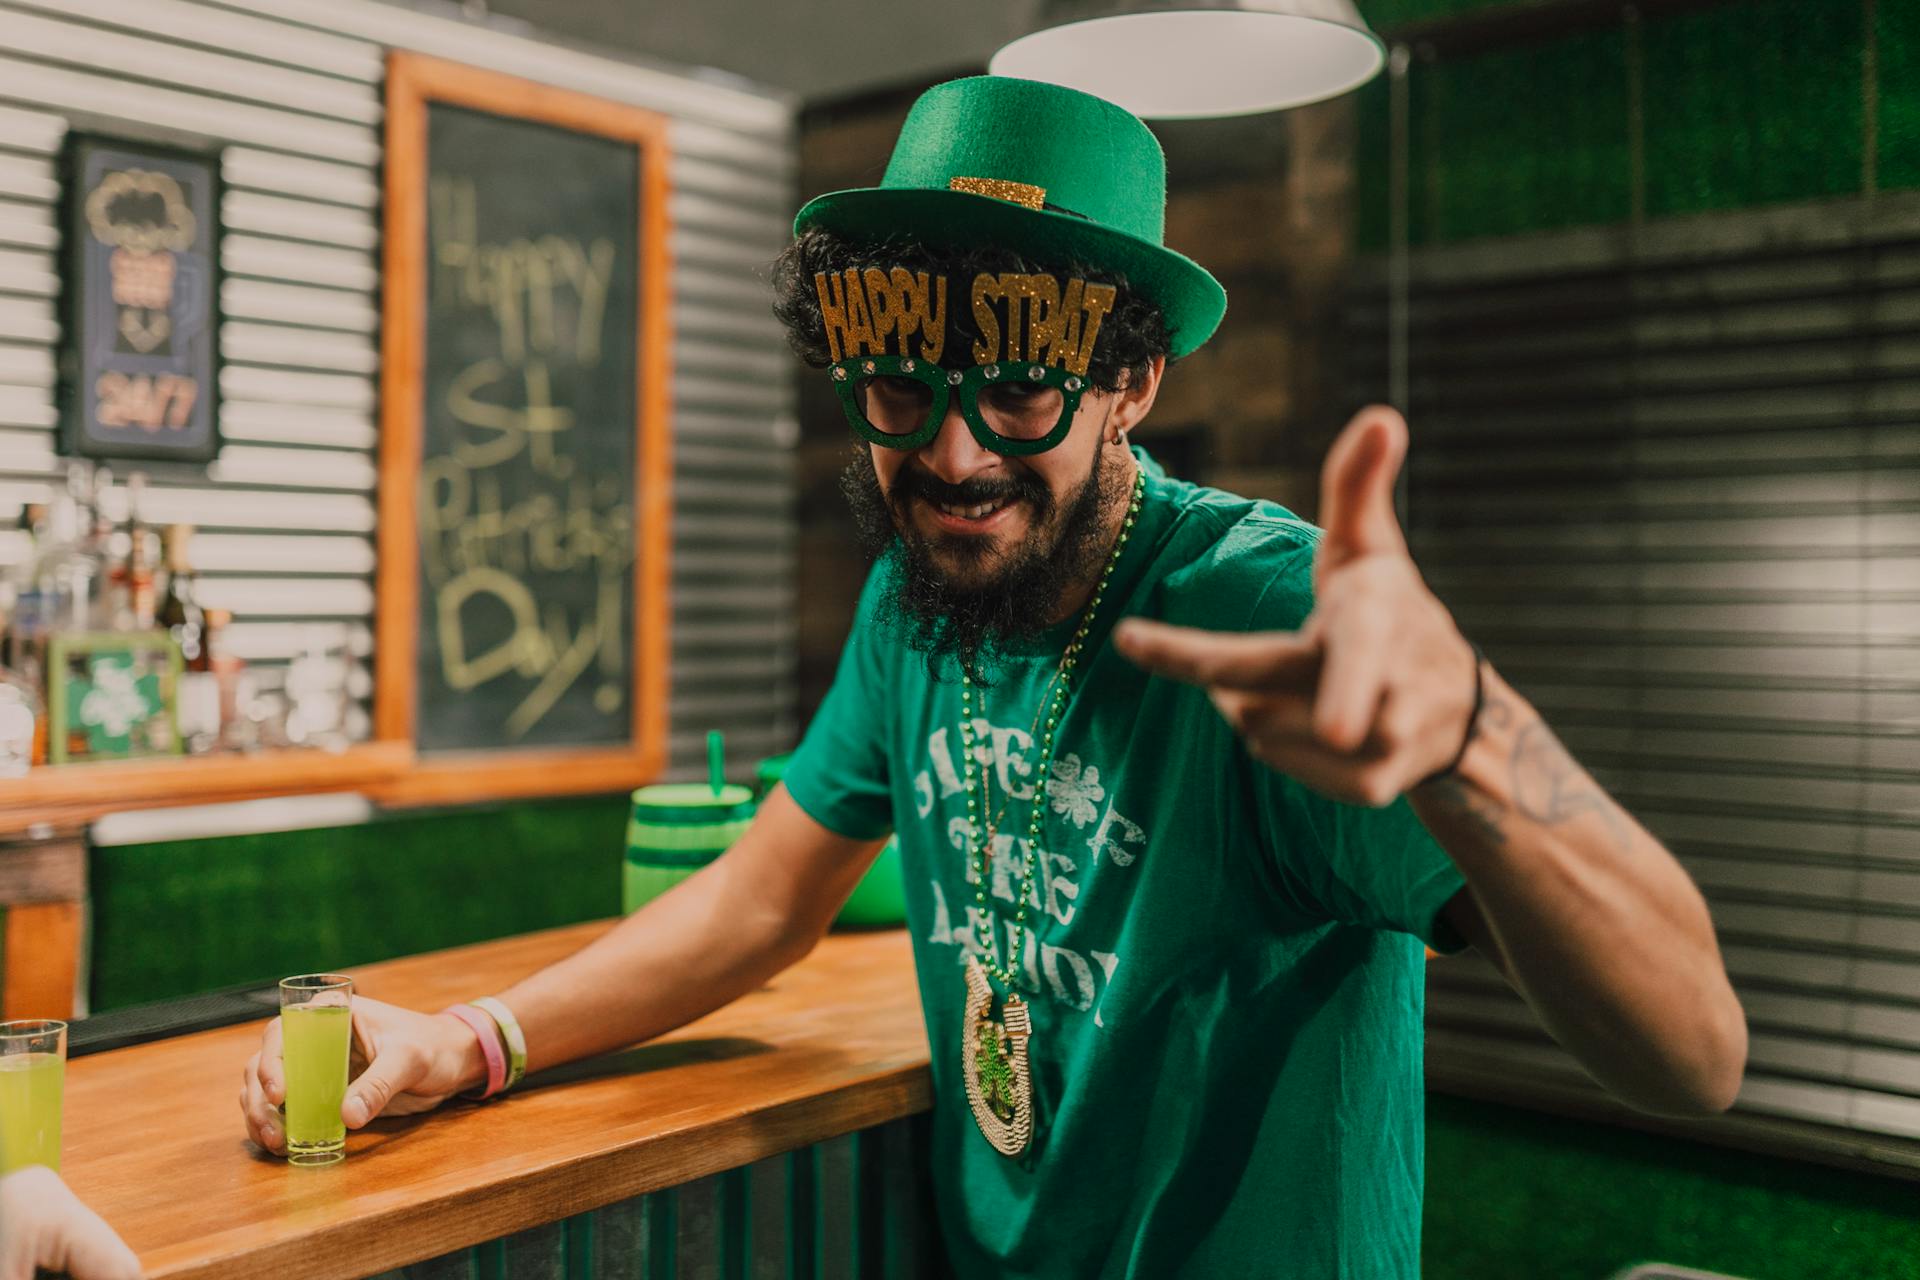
[1022, 193]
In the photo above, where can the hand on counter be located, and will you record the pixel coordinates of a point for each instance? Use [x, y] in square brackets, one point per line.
[43, 1225]
[402, 1063]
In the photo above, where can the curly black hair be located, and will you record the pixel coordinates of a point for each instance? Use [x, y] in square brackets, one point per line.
[1131, 335]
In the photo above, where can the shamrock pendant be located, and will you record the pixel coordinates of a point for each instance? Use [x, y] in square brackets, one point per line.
[993, 1062]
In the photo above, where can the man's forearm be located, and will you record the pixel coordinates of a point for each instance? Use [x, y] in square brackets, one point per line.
[705, 943]
[1598, 926]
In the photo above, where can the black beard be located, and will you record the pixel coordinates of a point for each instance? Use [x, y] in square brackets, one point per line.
[973, 623]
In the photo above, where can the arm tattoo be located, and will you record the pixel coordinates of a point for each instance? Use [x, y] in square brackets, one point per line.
[1496, 711]
[1550, 787]
[1481, 814]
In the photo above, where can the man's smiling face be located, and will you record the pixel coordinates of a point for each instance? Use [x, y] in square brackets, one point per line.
[973, 511]
[979, 547]
[994, 548]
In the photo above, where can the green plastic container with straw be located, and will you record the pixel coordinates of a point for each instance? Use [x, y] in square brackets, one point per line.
[880, 899]
[677, 828]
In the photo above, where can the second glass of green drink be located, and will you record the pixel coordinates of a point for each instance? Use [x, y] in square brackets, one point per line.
[32, 1066]
[316, 1035]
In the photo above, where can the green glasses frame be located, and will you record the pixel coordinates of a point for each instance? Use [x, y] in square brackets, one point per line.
[966, 383]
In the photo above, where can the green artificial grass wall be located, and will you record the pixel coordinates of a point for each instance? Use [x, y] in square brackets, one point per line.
[1741, 104]
[1384, 15]
[1897, 63]
[1521, 140]
[179, 917]
[1754, 103]
[1514, 1193]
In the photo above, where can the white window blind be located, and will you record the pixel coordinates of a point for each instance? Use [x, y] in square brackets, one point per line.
[1669, 478]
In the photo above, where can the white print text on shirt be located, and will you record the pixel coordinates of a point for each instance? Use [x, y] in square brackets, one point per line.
[1075, 797]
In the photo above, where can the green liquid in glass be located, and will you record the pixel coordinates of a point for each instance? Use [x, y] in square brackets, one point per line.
[313, 1043]
[30, 1110]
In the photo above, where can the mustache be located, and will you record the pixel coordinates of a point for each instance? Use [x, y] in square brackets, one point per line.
[969, 622]
[912, 482]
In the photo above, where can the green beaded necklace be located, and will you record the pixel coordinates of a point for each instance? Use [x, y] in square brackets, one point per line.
[993, 1054]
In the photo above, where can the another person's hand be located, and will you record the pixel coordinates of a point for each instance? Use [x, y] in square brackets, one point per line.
[43, 1225]
[402, 1062]
[1375, 690]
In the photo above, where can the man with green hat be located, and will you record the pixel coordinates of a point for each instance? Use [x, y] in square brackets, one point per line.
[1168, 881]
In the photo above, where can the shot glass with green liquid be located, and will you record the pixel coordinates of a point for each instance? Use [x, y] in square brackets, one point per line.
[33, 1061]
[316, 1033]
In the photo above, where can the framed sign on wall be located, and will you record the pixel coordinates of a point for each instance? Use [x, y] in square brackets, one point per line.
[522, 629]
[112, 696]
[142, 328]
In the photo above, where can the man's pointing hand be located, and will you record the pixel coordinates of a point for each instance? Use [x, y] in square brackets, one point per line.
[1373, 692]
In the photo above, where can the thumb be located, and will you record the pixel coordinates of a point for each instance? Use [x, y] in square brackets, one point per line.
[96, 1251]
[391, 1072]
[19, 1242]
[1356, 487]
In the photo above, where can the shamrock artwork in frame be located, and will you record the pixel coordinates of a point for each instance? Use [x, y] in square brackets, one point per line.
[112, 696]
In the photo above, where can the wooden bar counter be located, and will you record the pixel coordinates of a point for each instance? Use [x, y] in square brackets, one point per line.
[154, 1139]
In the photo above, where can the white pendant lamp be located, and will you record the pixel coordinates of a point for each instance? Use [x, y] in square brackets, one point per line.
[1184, 59]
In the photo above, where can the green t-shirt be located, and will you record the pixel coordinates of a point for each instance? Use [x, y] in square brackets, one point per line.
[1224, 968]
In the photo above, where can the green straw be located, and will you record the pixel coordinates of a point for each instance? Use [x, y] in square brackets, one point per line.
[716, 754]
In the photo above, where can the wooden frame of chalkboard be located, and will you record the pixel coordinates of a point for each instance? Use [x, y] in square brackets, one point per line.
[510, 388]
[140, 315]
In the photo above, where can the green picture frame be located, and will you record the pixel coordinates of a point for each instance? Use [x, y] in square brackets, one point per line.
[112, 696]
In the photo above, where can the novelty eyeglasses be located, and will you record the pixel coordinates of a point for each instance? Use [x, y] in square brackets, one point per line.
[899, 402]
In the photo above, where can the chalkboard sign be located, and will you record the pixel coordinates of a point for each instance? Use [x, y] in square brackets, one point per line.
[142, 301]
[526, 481]
[523, 460]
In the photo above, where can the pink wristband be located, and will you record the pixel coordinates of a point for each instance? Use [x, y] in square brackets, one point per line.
[483, 1026]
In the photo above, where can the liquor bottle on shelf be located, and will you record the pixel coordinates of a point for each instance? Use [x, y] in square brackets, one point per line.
[315, 693]
[22, 710]
[23, 724]
[179, 612]
[134, 610]
[91, 488]
[65, 575]
[54, 594]
[183, 618]
[23, 601]
[230, 676]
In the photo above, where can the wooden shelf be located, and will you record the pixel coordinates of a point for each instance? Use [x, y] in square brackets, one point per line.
[482, 777]
[71, 795]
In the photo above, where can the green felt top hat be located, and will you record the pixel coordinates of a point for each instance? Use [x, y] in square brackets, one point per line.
[1052, 173]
